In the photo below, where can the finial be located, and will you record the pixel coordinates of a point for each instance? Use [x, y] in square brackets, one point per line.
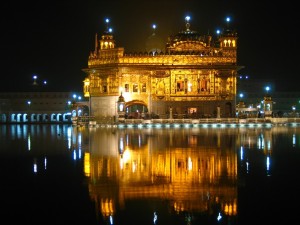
[107, 22]
[154, 28]
[187, 24]
[227, 20]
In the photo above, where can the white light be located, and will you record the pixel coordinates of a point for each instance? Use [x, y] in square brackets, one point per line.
[154, 218]
[219, 217]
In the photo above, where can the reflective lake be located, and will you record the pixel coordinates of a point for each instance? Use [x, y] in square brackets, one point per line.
[59, 174]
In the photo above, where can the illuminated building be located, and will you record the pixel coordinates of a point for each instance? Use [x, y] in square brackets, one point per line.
[194, 76]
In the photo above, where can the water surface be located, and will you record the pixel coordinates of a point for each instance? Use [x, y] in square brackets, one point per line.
[59, 174]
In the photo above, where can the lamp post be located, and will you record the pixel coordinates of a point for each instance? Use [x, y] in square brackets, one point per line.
[121, 108]
[241, 105]
[268, 103]
[34, 79]
[28, 114]
[294, 110]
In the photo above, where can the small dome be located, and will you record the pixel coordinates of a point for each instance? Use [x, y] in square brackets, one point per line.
[154, 44]
[187, 35]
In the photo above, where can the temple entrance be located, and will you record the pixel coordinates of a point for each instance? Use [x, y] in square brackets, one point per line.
[136, 110]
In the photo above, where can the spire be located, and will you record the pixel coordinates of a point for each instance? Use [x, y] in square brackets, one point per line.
[96, 43]
[154, 28]
[107, 22]
[187, 24]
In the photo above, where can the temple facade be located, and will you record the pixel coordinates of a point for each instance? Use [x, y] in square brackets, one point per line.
[193, 76]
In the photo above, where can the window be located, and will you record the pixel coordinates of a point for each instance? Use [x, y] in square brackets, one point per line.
[180, 86]
[135, 88]
[104, 88]
[126, 87]
[144, 87]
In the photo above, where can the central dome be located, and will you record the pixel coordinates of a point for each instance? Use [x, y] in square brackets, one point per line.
[154, 43]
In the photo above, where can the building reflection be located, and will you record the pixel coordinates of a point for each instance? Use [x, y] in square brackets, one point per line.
[193, 171]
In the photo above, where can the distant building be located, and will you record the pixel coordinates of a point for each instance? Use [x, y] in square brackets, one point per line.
[254, 90]
[38, 107]
[193, 75]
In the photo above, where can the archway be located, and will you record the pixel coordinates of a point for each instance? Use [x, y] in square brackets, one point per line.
[136, 109]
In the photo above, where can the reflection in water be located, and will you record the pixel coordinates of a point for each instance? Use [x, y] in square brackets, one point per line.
[193, 172]
[150, 176]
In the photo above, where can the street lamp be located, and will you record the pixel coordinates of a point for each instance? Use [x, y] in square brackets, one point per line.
[121, 108]
[294, 110]
[28, 116]
[267, 89]
[34, 79]
[241, 96]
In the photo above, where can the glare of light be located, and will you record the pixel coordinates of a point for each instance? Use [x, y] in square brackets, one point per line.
[140, 140]
[134, 166]
[294, 140]
[218, 31]
[74, 155]
[268, 163]
[190, 164]
[242, 153]
[35, 166]
[219, 216]
[34, 77]
[154, 218]
[74, 96]
[29, 102]
[107, 20]
[269, 145]
[154, 26]
[111, 219]
[87, 164]
[126, 156]
[121, 145]
[247, 167]
[187, 18]
[45, 82]
[29, 142]
[45, 163]
[228, 19]
[110, 30]
[69, 138]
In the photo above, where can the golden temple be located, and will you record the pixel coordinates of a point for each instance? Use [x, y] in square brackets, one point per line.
[193, 76]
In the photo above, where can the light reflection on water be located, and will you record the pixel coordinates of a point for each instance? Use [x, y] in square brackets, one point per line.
[148, 176]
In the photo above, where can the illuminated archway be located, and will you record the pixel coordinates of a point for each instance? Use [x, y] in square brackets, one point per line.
[135, 109]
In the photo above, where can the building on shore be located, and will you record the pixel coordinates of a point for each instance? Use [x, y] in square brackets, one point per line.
[39, 107]
[194, 75]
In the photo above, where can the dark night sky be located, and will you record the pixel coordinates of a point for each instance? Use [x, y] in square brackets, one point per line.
[53, 39]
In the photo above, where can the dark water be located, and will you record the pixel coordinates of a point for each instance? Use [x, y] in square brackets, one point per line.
[59, 174]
